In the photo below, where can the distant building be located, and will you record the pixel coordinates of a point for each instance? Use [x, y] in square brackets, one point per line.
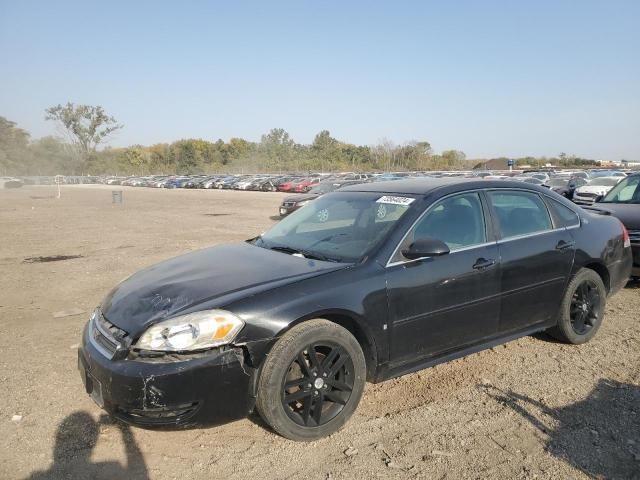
[609, 163]
[630, 163]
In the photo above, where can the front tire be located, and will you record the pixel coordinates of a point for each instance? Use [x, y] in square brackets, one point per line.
[582, 308]
[311, 381]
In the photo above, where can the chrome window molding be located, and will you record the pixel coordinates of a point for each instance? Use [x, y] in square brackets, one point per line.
[452, 252]
[528, 235]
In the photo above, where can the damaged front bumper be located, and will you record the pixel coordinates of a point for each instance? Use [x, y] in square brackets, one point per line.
[210, 388]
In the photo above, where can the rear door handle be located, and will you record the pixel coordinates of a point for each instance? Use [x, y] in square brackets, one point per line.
[563, 244]
[483, 263]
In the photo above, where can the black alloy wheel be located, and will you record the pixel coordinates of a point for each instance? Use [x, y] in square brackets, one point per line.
[318, 384]
[585, 307]
[311, 381]
[582, 309]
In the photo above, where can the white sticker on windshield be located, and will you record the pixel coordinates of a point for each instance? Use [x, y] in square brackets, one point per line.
[395, 200]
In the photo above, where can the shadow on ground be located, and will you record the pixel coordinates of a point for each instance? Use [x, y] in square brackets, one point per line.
[76, 438]
[633, 284]
[600, 435]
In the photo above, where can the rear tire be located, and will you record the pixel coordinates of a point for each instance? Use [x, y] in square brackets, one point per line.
[311, 381]
[582, 309]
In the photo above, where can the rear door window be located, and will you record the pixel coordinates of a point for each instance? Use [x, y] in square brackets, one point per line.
[519, 213]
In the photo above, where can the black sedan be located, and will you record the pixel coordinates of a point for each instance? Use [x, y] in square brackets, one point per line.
[565, 186]
[364, 284]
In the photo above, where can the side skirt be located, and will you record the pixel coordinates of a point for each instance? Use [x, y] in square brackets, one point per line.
[391, 371]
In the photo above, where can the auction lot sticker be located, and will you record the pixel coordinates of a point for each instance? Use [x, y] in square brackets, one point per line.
[395, 200]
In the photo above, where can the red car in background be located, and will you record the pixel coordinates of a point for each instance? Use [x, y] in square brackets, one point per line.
[288, 186]
[305, 184]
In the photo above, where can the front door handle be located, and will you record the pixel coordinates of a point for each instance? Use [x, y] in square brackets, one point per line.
[483, 263]
[563, 244]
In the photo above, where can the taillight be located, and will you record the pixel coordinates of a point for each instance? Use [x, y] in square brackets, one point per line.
[625, 236]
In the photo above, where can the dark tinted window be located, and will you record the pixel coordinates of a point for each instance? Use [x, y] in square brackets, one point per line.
[519, 213]
[457, 221]
[563, 216]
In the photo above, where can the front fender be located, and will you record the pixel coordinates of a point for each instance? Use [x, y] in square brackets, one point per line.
[356, 294]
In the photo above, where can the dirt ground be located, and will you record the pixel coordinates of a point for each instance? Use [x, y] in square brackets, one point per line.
[533, 408]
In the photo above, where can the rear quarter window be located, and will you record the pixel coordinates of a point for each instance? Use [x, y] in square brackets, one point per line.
[562, 216]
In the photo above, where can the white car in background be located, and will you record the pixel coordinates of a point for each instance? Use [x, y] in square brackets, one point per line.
[10, 182]
[539, 175]
[598, 187]
[244, 184]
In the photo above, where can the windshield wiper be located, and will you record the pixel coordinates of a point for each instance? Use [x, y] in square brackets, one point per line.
[304, 253]
[282, 248]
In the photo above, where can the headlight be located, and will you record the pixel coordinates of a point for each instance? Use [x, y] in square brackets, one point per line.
[194, 331]
[303, 203]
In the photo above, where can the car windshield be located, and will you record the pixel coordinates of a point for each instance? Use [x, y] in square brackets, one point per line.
[340, 227]
[627, 191]
[606, 182]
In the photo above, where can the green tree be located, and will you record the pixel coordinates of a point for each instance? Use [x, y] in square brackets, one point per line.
[137, 159]
[278, 147]
[239, 147]
[14, 156]
[194, 156]
[50, 156]
[323, 141]
[326, 153]
[159, 161]
[453, 158]
[86, 126]
[355, 157]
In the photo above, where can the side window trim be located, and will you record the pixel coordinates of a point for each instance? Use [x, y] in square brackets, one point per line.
[490, 238]
[491, 226]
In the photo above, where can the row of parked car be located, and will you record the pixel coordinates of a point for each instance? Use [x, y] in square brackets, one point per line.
[582, 187]
[264, 183]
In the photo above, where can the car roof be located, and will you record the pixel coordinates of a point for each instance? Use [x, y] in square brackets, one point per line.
[426, 185]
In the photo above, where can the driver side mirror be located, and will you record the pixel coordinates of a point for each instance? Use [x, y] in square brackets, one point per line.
[425, 247]
[598, 198]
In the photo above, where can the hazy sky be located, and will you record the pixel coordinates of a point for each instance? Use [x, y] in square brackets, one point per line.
[490, 78]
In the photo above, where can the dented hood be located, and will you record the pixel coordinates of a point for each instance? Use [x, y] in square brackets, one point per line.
[214, 276]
